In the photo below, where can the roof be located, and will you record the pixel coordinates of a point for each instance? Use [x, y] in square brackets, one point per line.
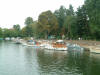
[59, 41]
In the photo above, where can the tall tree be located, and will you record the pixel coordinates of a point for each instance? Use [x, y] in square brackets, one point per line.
[1, 32]
[16, 29]
[70, 22]
[28, 23]
[70, 11]
[47, 23]
[61, 15]
[23, 32]
[93, 10]
[82, 22]
[70, 27]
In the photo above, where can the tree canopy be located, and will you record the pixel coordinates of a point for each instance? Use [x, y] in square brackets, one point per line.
[47, 23]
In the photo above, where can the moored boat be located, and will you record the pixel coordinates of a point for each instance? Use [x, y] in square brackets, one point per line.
[59, 45]
[31, 43]
[7, 38]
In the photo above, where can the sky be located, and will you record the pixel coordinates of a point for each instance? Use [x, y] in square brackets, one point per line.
[16, 11]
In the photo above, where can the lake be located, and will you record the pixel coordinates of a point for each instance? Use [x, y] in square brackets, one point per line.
[16, 59]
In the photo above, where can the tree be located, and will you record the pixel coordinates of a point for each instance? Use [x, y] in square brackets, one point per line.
[70, 11]
[35, 29]
[60, 15]
[1, 32]
[47, 23]
[70, 26]
[93, 11]
[28, 23]
[82, 22]
[23, 32]
[16, 29]
[9, 33]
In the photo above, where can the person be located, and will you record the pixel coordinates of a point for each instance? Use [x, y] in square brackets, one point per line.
[79, 38]
[63, 36]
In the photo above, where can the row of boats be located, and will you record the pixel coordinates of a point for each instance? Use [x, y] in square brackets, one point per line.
[59, 45]
[51, 45]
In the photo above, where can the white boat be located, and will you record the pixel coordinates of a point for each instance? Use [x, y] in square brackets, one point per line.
[30, 44]
[18, 41]
[7, 38]
[59, 45]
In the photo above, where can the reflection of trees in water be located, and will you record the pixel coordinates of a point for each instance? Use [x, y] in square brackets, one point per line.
[94, 64]
[50, 62]
[79, 61]
[60, 63]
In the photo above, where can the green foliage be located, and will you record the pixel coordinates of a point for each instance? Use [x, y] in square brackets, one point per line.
[66, 20]
[17, 30]
[70, 27]
[29, 22]
[70, 11]
[82, 22]
[23, 32]
[60, 15]
[70, 23]
[93, 10]
[1, 33]
[14, 32]
[47, 24]
[8, 32]
[17, 27]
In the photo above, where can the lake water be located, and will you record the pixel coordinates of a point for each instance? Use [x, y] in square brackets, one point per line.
[21, 60]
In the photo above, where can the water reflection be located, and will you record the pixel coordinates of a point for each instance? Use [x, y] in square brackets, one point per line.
[94, 64]
[57, 63]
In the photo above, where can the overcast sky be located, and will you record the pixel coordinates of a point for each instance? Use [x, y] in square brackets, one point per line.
[15, 11]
